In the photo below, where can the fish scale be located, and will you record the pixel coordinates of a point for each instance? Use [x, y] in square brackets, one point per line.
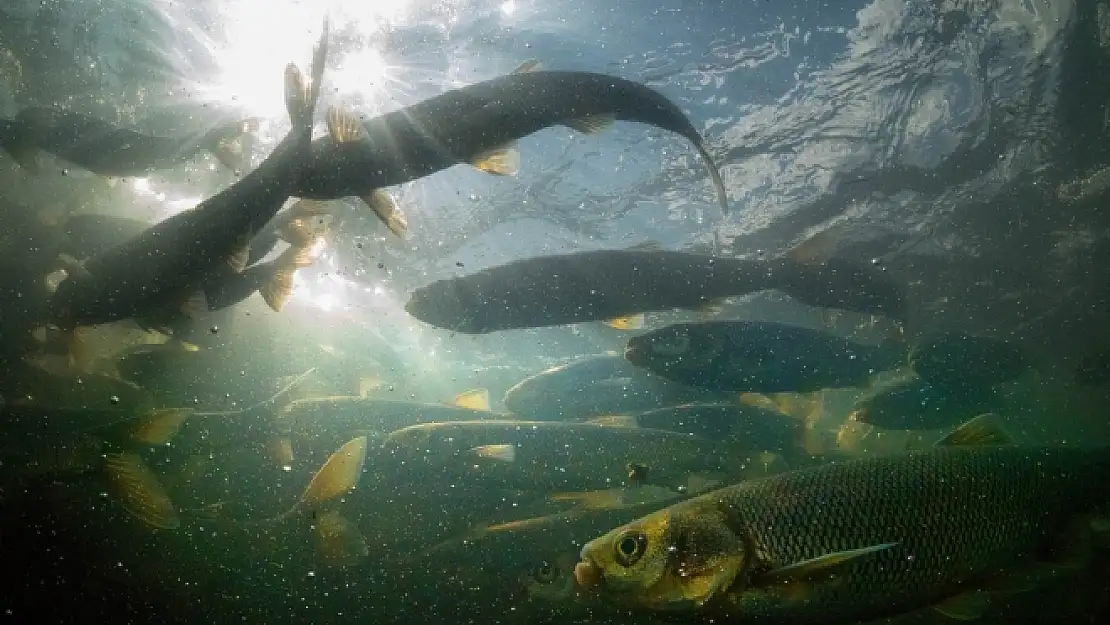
[957, 516]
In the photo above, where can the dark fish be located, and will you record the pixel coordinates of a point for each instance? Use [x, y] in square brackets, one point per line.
[477, 124]
[916, 404]
[164, 268]
[854, 541]
[593, 387]
[608, 284]
[106, 149]
[963, 361]
[758, 357]
[551, 456]
[1094, 370]
[87, 235]
[755, 428]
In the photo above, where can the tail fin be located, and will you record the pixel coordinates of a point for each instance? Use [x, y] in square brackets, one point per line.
[301, 98]
[279, 286]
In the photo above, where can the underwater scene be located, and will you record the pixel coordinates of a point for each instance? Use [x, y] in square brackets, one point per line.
[714, 312]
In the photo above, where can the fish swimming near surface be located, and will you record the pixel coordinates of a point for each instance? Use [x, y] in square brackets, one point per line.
[109, 150]
[164, 268]
[759, 357]
[849, 542]
[478, 124]
[610, 284]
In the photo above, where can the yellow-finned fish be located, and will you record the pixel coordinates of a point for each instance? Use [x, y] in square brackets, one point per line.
[848, 542]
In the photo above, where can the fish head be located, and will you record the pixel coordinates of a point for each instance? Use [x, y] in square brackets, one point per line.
[439, 304]
[677, 558]
[672, 349]
[551, 579]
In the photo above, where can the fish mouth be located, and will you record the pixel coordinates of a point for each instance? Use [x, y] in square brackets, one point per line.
[587, 575]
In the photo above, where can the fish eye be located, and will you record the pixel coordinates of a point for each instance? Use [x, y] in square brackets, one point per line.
[671, 346]
[545, 573]
[630, 547]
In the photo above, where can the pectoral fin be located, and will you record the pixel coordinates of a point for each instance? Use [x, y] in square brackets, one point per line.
[628, 322]
[338, 542]
[499, 452]
[387, 210]
[339, 474]
[531, 65]
[986, 429]
[502, 161]
[159, 427]
[474, 399]
[140, 492]
[964, 607]
[821, 565]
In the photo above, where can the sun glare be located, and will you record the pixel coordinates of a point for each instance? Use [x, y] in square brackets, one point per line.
[261, 36]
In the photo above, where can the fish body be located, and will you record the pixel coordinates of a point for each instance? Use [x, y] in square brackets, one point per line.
[958, 360]
[853, 541]
[753, 428]
[461, 125]
[757, 357]
[595, 386]
[552, 456]
[107, 149]
[915, 404]
[163, 268]
[583, 286]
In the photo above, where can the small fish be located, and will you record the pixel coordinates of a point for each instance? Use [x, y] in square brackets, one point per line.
[106, 149]
[859, 540]
[962, 361]
[758, 357]
[551, 456]
[915, 404]
[478, 124]
[326, 421]
[596, 386]
[755, 428]
[612, 284]
[164, 267]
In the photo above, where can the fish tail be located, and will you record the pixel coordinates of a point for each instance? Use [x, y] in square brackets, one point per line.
[339, 474]
[301, 97]
[279, 285]
[714, 173]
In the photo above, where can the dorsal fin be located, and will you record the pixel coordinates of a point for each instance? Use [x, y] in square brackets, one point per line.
[986, 429]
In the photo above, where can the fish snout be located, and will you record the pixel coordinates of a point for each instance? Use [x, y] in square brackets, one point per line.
[587, 575]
